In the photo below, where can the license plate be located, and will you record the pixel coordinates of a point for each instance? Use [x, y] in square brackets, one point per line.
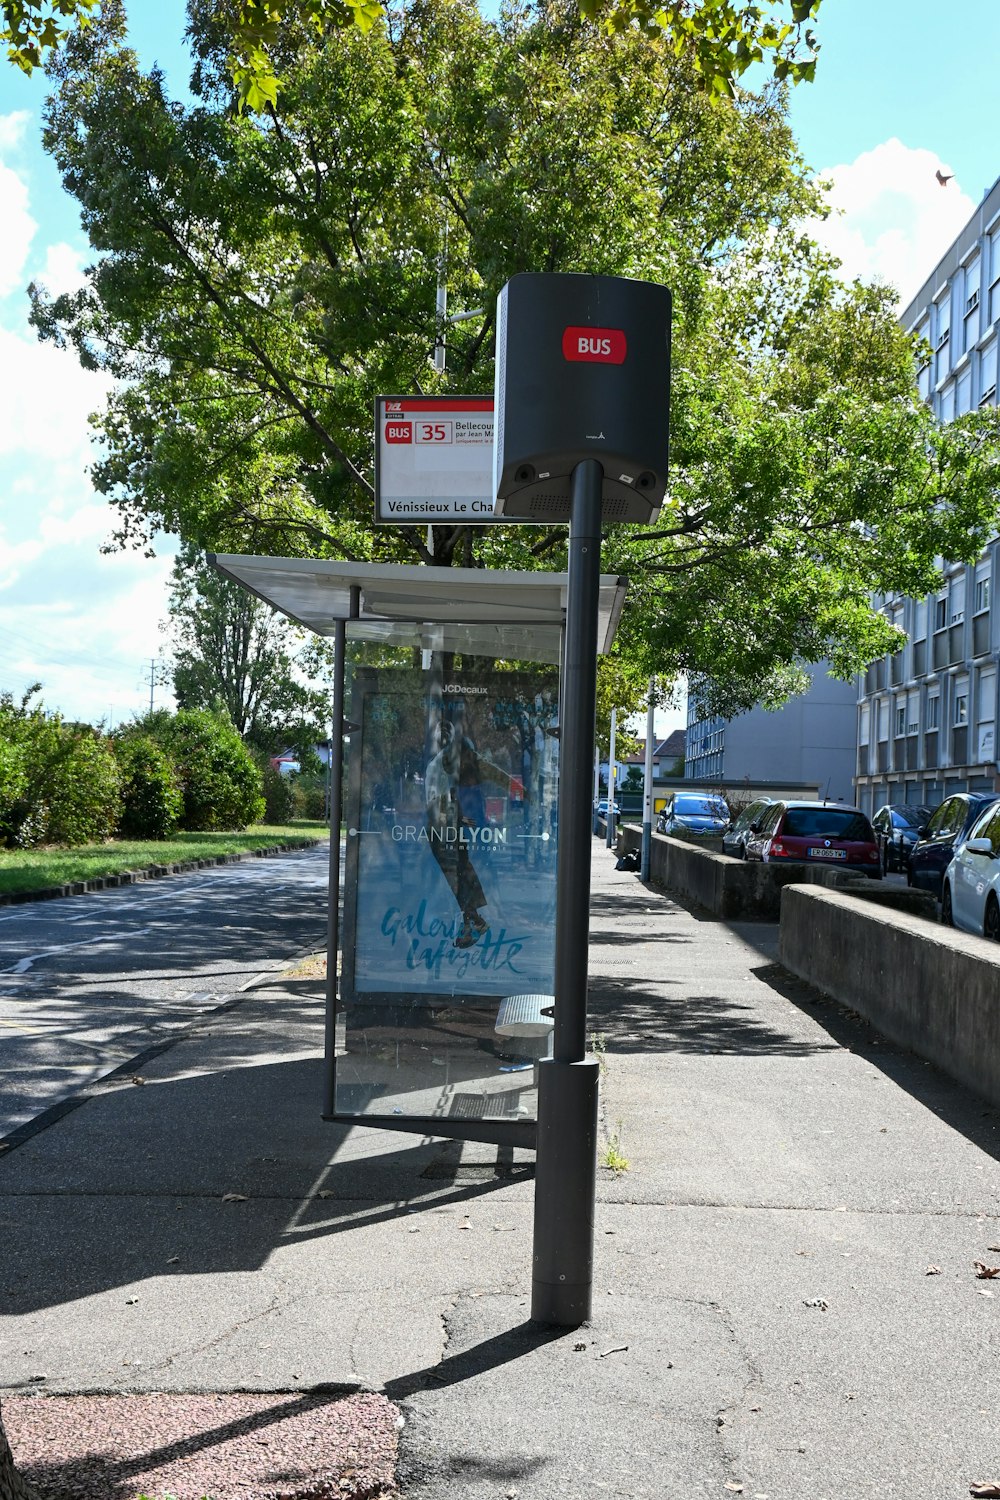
[827, 854]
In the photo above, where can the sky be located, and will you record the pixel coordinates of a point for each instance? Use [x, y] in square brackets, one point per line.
[904, 88]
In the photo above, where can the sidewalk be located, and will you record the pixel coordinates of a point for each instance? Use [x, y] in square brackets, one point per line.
[765, 1321]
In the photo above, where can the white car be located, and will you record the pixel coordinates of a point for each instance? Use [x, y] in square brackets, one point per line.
[970, 898]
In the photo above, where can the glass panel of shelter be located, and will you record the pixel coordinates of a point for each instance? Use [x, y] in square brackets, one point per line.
[445, 996]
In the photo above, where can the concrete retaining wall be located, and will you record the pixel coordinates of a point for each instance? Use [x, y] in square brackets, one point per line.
[931, 989]
[736, 889]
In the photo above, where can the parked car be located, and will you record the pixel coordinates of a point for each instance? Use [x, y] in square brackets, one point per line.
[734, 840]
[942, 836]
[895, 828]
[697, 813]
[970, 897]
[602, 808]
[816, 833]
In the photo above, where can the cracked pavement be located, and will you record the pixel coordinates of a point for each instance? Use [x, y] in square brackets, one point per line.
[763, 1312]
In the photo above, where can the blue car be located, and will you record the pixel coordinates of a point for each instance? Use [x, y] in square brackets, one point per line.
[692, 813]
[939, 840]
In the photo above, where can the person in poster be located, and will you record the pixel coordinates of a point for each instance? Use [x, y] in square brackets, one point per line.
[455, 803]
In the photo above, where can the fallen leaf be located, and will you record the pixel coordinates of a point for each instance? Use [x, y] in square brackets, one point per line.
[137, 1079]
[933, 1271]
[984, 1272]
[578, 1348]
[984, 1491]
[731, 1484]
[983, 1293]
[131, 1301]
[819, 1302]
[174, 1260]
[618, 1349]
[234, 1197]
[325, 1193]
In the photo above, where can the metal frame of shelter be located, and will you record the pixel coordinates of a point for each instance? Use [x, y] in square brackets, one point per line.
[506, 615]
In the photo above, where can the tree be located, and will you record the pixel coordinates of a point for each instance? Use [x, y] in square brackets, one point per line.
[722, 39]
[230, 649]
[261, 278]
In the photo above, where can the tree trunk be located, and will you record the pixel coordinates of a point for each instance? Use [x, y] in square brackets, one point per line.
[12, 1486]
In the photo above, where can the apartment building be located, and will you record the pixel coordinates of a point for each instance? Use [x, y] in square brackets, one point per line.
[812, 739]
[927, 717]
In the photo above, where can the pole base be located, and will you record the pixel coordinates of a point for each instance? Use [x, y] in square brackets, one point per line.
[565, 1185]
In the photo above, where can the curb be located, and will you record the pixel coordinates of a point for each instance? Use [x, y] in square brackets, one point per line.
[150, 872]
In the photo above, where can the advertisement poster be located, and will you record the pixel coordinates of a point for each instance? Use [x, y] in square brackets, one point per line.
[452, 835]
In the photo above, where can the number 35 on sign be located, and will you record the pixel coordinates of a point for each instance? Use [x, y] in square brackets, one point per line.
[434, 432]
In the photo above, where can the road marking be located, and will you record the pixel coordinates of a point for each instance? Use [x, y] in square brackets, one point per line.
[24, 964]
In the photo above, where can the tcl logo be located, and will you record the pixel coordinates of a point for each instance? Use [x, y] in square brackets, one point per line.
[399, 432]
[604, 346]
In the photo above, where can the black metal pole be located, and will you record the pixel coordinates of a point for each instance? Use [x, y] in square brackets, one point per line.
[336, 804]
[647, 787]
[566, 1164]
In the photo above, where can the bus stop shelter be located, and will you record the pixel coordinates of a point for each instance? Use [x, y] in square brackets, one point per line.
[446, 696]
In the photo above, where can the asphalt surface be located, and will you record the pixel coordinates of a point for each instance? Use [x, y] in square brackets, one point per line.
[89, 982]
[785, 1298]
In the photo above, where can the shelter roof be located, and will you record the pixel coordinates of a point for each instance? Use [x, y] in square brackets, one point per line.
[475, 609]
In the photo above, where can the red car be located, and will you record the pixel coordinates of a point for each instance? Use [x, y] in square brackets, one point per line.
[816, 833]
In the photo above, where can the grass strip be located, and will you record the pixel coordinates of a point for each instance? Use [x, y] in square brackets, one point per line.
[26, 870]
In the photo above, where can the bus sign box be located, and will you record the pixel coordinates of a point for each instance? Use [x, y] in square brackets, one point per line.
[582, 372]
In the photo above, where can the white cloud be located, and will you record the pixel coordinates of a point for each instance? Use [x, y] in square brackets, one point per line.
[63, 270]
[13, 128]
[83, 624]
[45, 400]
[18, 230]
[892, 219]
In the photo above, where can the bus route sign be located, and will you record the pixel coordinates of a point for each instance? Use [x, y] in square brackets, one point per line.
[434, 460]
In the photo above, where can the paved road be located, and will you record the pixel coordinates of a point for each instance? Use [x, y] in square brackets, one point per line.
[785, 1305]
[89, 982]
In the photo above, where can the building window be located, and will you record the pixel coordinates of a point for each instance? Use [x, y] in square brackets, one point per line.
[994, 275]
[942, 357]
[934, 711]
[987, 695]
[912, 713]
[900, 720]
[948, 402]
[988, 375]
[963, 393]
[883, 721]
[982, 594]
[940, 613]
[961, 715]
[956, 600]
[920, 620]
[971, 316]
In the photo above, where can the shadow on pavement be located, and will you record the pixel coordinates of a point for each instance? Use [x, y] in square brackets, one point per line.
[140, 1177]
[513, 1343]
[632, 1017]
